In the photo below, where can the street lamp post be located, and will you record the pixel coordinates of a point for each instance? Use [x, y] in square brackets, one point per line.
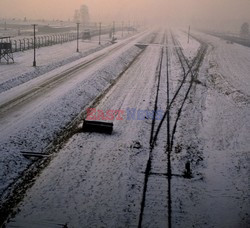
[122, 28]
[34, 62]
[188, 33]
[113, 30]
[77, 48]
[100, 32]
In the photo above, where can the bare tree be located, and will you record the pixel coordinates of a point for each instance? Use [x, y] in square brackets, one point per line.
[244, 31]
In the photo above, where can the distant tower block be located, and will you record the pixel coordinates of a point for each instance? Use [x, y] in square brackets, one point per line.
[6, 50]
[84, 15]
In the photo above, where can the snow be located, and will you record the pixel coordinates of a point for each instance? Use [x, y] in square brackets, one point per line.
[59, 55]
[34, 125]
[189, 48]
[97, 180]
[213, 135]
[109, 162]
[229, 65]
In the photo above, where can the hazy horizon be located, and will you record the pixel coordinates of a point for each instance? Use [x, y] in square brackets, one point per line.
[223, 13]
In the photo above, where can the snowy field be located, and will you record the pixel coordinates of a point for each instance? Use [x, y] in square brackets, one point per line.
[121, 180]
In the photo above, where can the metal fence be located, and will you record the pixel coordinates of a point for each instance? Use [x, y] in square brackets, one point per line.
[41, 41]
[49, 40]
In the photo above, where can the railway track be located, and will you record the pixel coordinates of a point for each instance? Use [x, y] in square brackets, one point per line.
[153, 126]
[177, 102]
[190, 73]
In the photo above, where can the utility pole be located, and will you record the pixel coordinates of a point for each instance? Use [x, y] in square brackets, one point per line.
[34, 62]
[5, 25]
[128, 26]
[113, 30]
[188, 33]
[77, 38]
[100, 32]
[122, 28]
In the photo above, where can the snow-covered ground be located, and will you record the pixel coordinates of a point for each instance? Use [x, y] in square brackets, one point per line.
[97, 180]
[214, 135]
[229, 68]
[190, 47]
[113, 163]
[47, 59]
[33, 124]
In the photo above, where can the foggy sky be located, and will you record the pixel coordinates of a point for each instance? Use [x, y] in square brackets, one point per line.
[210, 12]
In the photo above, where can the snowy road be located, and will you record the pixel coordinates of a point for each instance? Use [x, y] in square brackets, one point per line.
[121, 180]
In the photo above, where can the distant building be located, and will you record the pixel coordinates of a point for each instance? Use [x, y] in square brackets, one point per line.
[82, 15]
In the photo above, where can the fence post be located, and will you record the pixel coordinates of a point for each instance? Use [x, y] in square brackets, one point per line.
[20, 45]
[28, 43]
[24, 46]
[32, 42]
[15, 45]
[39, 42]
[43, 40]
